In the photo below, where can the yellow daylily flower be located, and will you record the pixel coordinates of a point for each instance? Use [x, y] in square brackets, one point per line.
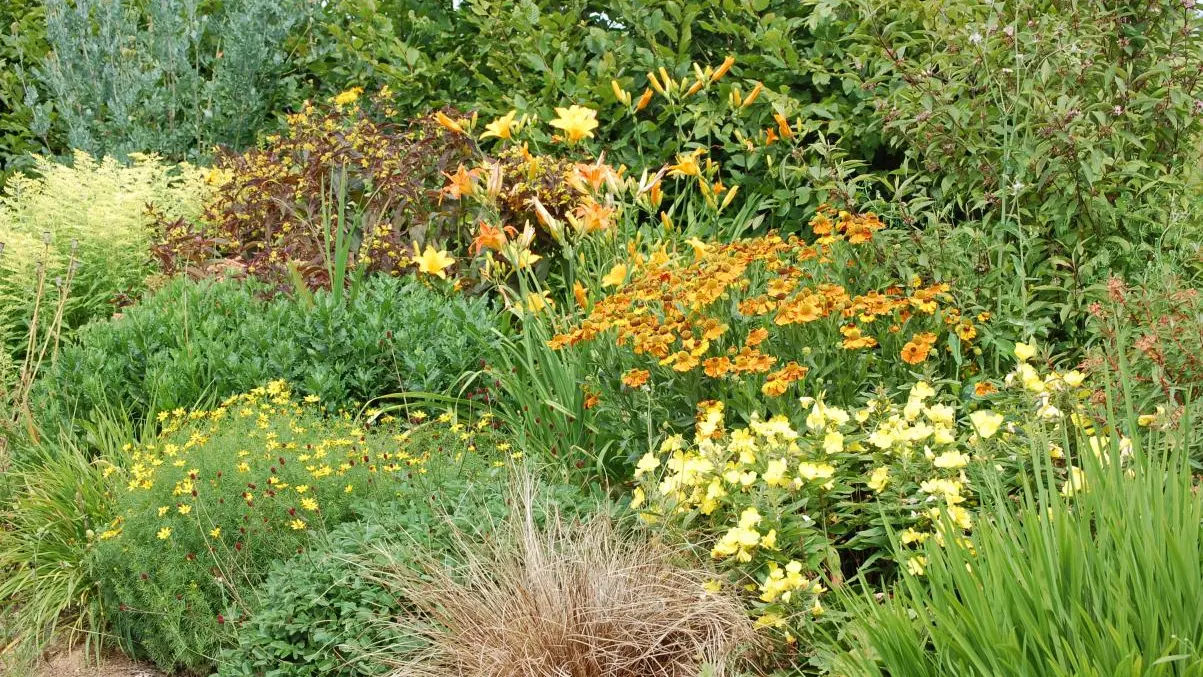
[577, 122]
[502, 127]
[432, 262]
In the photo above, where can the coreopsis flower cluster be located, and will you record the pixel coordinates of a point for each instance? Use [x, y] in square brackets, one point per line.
[263, 463]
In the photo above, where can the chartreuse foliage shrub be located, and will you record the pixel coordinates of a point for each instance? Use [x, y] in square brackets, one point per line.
[193, 341]
[790, 505]
[223, 494]
[92, 211]
[1102, 577]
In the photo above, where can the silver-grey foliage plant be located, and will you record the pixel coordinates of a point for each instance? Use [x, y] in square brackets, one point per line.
[169, 76]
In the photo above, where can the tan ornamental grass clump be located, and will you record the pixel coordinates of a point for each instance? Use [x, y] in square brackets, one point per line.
[564, 599]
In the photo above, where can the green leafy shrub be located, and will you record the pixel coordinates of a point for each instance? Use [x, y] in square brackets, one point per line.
[1103, 579]
[1059, 135]
[325, 612]
[318, 614]
[532, 56]
[24, 119]
[193, 341]
[95, 213]
[224, 494]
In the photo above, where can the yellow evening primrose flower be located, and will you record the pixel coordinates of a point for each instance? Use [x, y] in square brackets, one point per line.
[986, 422]
[1075, 483]
[922, 390]
[577, 122]
[815, 471]
[638, 497]
[646, 464]
[917, 565]
[956, 513]
[1025, 351]
[712, 586]
[769, 540]
[502, 127]
[1146, 420]
[432, 262]
[833, 442]
[879, 478]
[951, 459]
[616, 276]
[774, 474]
[164, 533]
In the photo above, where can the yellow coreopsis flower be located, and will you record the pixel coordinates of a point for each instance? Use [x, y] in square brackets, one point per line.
[577, 122]
[432, 262]
[164, 533]
[502, 127]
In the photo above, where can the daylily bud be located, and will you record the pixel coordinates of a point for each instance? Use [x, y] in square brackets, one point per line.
[622, 95]
[752, 95]
[651, 77]
[644, 100]
[493, 185]
[723, 68]
[730, 196]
